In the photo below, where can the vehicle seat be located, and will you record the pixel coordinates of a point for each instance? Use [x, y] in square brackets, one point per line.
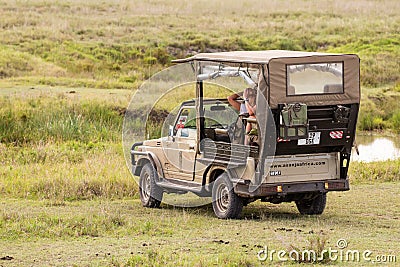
[209, 133]
[333, 88]
[222, 135]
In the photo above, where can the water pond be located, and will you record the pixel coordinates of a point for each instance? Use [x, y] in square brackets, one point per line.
[376, 148]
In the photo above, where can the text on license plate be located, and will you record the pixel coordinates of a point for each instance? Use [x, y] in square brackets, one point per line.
[313, 139]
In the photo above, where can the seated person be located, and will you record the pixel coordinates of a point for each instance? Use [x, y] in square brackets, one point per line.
[247, 106]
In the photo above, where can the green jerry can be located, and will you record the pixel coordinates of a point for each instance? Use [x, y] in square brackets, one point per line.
[294, 123]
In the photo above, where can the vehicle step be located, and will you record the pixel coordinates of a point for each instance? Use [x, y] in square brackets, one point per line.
[189, 187]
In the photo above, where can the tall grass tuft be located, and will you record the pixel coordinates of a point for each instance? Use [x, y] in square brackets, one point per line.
[371, 172]
[61, 148]
[35, 120]
[65, 172]
[395, 120]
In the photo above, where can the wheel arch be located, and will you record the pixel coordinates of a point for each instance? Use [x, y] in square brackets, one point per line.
[152, 159]
[140, 163]
[214, 171]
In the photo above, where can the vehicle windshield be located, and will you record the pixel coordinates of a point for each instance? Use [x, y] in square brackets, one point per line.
[212, 71]
[217, 115]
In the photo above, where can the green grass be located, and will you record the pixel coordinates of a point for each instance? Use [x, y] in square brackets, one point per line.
[67, 171]
[60, 145]
[76, 171]
[374, 51]
[63, 144]
[70, 200]
[375, 172]
[106, 232]
[380, 109]
[28, 119]
[67, 197]
[120, 43]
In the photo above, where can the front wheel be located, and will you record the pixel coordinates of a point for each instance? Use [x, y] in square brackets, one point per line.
[226, 204]
[313, 206]
[150, 193]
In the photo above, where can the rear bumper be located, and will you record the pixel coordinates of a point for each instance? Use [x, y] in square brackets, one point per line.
[264, 190]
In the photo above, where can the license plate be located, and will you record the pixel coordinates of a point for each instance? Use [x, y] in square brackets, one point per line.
[313, 139]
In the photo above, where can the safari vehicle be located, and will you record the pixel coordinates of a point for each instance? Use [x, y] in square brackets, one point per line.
[307, 107]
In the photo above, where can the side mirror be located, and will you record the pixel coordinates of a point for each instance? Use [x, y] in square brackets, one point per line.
[185, 132]
[171, 130]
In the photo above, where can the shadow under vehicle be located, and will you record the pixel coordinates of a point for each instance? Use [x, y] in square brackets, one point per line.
[306, 112]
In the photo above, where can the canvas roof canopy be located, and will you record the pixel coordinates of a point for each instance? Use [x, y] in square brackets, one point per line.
[274, 81]
[250, 57]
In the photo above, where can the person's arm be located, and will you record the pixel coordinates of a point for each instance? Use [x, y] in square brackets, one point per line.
[234, 103]
[250, 109]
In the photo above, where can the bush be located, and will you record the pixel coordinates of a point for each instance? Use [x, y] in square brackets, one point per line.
[395, 120]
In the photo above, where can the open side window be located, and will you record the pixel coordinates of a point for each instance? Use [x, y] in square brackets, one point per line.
[185, 124]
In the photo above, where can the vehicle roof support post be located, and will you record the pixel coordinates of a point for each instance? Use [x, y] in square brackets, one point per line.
[267, 128]
[200, 114]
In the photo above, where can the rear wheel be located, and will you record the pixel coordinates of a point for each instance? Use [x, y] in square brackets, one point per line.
[312, 206]
[150, 194]
[226, 204]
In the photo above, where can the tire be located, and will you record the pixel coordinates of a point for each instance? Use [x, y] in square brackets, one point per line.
[226, 204]
[150, 194]
[313, 206]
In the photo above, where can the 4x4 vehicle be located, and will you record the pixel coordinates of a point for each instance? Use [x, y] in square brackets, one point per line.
[307, 106]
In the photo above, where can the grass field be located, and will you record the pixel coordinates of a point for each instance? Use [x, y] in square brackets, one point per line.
[68, 70]
[69, 199]
[104, 232]
[119, 44]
